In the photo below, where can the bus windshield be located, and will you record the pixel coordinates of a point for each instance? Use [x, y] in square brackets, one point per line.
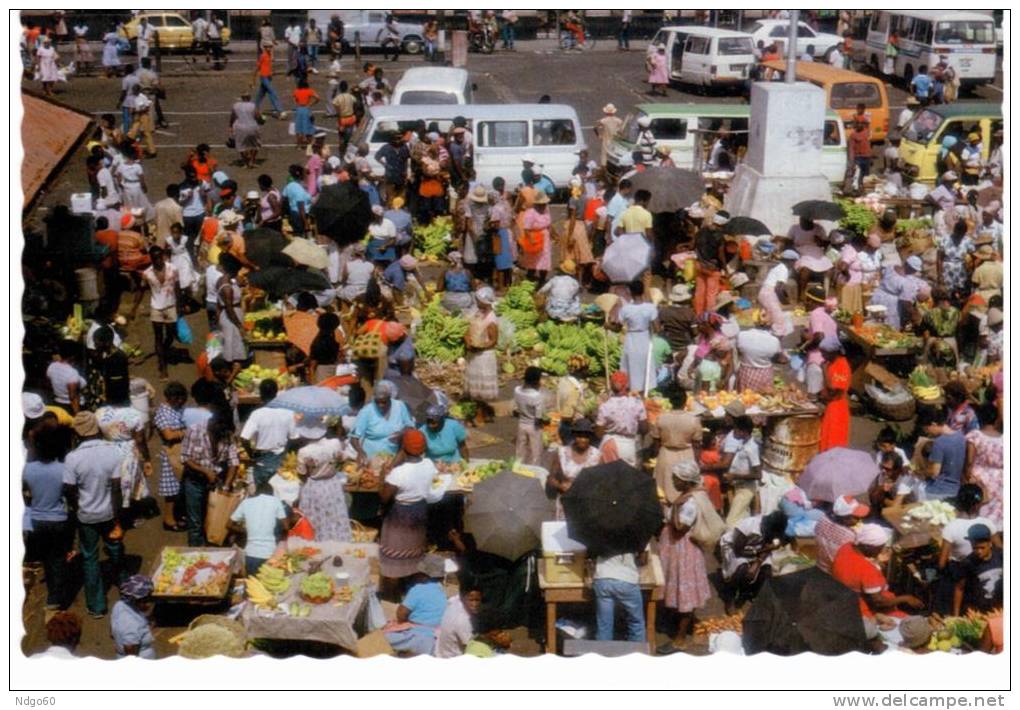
[965, 32]
[923, 127]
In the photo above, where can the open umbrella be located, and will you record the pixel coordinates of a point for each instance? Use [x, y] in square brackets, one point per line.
[838, 472]
[804, 611]
[819, 209]
[264, 248]
[612, 508]
[505, 514]
[311, 401]
[279, 281]
[746, 225]
[626, 258]
[672, 188]
[342, 212]
[307, 252]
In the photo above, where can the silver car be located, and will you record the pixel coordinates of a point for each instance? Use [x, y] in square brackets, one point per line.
[369, 26]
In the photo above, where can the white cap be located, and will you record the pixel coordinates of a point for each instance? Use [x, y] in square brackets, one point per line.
[872, 535]
[32, 404]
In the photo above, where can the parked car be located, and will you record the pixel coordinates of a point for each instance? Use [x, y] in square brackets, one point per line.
[370, 28]
[174, 30]
[770, 31]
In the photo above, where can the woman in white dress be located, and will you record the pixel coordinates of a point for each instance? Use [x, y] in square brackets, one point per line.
[230, 317]
[177, 243]
[111, 57]
[570, 459]
[46, 65]
[133, 190]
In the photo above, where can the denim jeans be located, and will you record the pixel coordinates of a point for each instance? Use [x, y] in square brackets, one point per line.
[266, 89]
[125, 118]
[509, 35]
[89, 536]
[49, 543]
[609, 593]
[623, 39]
[196, 496]
[313, 55]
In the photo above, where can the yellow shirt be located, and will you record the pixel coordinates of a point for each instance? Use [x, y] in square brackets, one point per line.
[636, 219]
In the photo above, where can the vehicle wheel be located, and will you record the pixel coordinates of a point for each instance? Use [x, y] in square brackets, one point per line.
[412, 45]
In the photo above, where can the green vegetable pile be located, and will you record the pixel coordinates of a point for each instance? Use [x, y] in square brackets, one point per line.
[440, 335]
[464, 411]
[518, 307]
[859, 219]
[561, 341]
[905, 226]
[433, 240]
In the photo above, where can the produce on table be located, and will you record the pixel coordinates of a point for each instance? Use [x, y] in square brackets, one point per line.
[265, 328]
[249, 378]
[923, 385]
[191, 574]
[258, 594]
[959, 631]
[344, 595]
[518, 307]
[440, 335]
[859, 219]
[931, 512]
[299, 610]
[476, 474]
[654, 406]
[210, 640]
[905, 226]
[433, 240]
[317, 588]
[884, 336]
[273, 579]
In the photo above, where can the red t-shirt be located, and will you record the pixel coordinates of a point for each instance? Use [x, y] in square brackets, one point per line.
[302, 97]
[857, 572]
[265, 64]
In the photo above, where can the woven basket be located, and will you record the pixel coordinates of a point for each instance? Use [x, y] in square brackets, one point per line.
[899, 410]
[363, 533]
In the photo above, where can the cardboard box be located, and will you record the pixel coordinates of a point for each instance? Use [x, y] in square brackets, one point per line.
[563, 557]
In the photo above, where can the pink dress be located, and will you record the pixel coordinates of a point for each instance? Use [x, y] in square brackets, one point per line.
[313, 168]
[683, 565]
[988, 464]
[541, 261]
[658, 75]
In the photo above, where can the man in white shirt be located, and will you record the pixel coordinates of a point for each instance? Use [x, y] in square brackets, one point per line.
[836, 58]
[616, 582]
[199, 31]
[145, 37]
[293, 36]
[457, 628]
[740, 465]
[268, 433]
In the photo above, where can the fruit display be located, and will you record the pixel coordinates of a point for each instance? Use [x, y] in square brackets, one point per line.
[440, 335]
[288, 470]
[783, 397]
[193, 574]
[923, 385]
[476, 473]
[654, 406]
[317, 588]
[273, 579]
[518, 307]
[958, 632]
[265, 326]
[560, 342]
[880, 335]
[299, 610]
[718, 624]
[249, 378]
[464, 411]
[433, 241]
[931, 512]
[344, 595]
[258, 594]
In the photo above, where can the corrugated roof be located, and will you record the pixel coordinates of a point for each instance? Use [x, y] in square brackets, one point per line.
[49, 133]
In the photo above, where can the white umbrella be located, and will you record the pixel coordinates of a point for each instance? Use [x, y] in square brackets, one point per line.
[307, 252]
[627, 257]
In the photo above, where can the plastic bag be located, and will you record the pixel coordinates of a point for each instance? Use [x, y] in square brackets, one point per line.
[184, 331]
[505, 342]
[376, 618]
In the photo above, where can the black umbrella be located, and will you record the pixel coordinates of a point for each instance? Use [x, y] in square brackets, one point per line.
[280, 281]
[745, 225]
[612, 508]
[342, 213]
[819, 209]
[672, 188]
[264, 248]
[505, 514]
[804, 611]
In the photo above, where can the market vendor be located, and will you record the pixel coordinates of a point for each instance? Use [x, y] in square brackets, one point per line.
[858, 566]
[758, 349]
[326, 351]
[740, 466]
[746, 550]
[380, 424]
[129, 619]
[563, 294]
[413, 631]
[455, 285]
[445, 437]
[809, 240]
[940, 327]
[301, 324]
[836, 418]
[821, 325]
[571, 458]
[897, 292]
[322, 499]
[621, 420]
[772, 293]
[268, 433]
[837, 529]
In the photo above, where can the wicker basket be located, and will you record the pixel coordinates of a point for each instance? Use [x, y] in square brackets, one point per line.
[899, 410]
[362, 533]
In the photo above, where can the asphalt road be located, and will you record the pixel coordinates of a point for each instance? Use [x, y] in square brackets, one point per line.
[198, 107]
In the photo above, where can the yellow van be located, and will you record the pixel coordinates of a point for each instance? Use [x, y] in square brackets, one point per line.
[844, 90]
[923, 136]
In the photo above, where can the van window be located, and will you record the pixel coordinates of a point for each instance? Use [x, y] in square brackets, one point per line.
[831, 133]
[850, 94]
[659, 40]
[698, 45]
[554, 132]
[729, 46]
[922, 32]
[428, 98]
[502, 134]
[669, 129]
[384, 129]
[923, 127]
[880, 22]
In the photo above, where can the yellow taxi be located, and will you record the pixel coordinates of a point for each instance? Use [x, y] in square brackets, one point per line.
[174, 29]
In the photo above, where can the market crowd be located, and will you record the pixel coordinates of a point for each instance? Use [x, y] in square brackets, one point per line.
[723, 330]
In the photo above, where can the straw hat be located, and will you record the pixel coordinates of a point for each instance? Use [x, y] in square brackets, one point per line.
[568, 266]
[229, 217]
[609, 109]
[681, 293]
[725, 298]
[479, 194]
[541, 199]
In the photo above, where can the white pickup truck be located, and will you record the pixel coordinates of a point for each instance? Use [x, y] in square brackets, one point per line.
[369, 26]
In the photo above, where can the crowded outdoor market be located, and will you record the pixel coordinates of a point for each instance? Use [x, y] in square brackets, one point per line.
[451, 351]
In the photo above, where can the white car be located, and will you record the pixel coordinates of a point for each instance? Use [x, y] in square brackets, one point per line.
[769, 31]
[370, 26]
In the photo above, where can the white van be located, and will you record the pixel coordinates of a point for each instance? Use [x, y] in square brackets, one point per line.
[503, 135]
[433, 86]
[706, 56]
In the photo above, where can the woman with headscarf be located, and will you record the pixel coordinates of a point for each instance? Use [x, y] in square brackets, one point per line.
[638, 319]
[481, 378]
[124, 425]
[229, 315]
[455, 285]
[111, 55]
[445, 437]
[570, 459]
[380, 424]
[809, 240]
[245, 120]
[758, 349]
[355, 274]
[658, 76]
[836, 395]
[129, 619]
[621, 421]
[325, 352]
[849, 282]
[898, 290]
[322, 499]
[677, 437]
[407, 490]
[870, 261]
[535, 241]
[563, 294]
[821, 325]
[683, 562]
[46, 59]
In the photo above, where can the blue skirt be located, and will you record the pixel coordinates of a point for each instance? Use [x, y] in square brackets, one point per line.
[303, 124]
[505, 259]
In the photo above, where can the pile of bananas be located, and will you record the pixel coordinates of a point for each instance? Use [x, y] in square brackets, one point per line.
[288, 469]
[928, 393]
[258, 594]
[273, 579]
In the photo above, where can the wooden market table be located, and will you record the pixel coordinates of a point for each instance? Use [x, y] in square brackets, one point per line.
[653, 589]
[872, 352]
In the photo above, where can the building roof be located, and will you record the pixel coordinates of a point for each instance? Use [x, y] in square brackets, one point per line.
[50, 132]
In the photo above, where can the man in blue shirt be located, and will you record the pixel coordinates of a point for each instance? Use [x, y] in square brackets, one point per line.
[542, 182]
[299, 202]
[401, 219]
[617, 206]
[946, 458]
[921, 86]
[419, 615]
[394, 156]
